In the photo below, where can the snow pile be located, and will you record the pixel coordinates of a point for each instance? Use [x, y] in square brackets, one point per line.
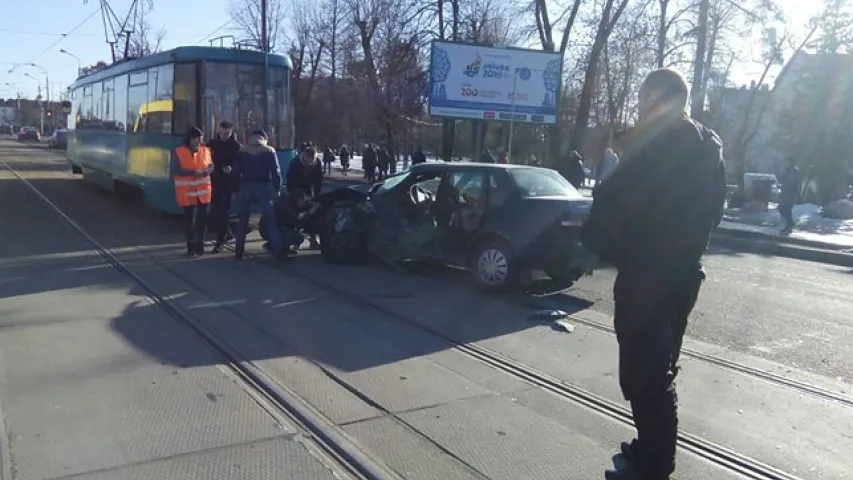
[810, 224]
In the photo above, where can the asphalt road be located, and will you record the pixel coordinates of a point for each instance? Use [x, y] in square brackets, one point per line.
[794, 312]
[362, 324]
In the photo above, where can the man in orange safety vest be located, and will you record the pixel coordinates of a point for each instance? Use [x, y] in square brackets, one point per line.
[193, 189]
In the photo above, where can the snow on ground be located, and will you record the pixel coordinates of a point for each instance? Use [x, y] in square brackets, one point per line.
[810, 225]
[355, 164]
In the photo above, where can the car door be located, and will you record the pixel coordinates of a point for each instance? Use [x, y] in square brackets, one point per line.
[470, 186]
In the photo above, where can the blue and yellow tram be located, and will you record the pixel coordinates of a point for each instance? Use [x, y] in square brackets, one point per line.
[127, 119]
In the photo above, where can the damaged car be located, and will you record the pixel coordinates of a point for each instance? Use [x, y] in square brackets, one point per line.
[508, 225]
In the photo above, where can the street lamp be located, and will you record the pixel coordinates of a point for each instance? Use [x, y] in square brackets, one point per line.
[46, 79]
[41, 104]
[75, 57]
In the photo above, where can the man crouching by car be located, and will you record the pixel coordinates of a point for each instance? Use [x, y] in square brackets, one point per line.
[305, 174]
[292, 211]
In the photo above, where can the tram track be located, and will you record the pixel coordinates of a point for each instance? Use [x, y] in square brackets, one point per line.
[345, 451]
[711, 359]
[281, 403]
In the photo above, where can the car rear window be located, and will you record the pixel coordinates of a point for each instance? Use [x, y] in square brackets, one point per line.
[61, 135]
[28, 129]
[542, 182]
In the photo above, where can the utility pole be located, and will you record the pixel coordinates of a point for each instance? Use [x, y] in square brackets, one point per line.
[265, 46]
[697, 101]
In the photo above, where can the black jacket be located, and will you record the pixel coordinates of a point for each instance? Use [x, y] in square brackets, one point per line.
[305, 178]
[657, 211]
[223, 152]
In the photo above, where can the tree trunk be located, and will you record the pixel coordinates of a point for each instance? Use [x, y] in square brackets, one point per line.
[697, 103]
[605, 26]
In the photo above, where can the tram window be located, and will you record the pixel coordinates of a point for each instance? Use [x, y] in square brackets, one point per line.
[120, 100]
[137, 96]
[94, 114]
[185, 106]
[107, 104]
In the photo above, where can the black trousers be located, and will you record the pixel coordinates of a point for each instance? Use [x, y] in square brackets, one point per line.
[650, 320]
[195, 224]
[220, 209]
[787, 213]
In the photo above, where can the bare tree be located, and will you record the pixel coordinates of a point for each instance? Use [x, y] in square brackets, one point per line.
[144, 39]
[609, 17]
[246, 15]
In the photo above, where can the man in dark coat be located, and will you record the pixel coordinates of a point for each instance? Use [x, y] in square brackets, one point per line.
[418, 156]
[306, 175]
[258, 176]
[344, 154]
[652, 219]
[572, 169]
[368, 163]
[223, 149]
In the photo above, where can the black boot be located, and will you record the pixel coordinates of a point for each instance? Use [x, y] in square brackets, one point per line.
[199, 248]
[190, 249]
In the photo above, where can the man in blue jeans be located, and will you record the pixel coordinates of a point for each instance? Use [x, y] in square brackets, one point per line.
[258, 177]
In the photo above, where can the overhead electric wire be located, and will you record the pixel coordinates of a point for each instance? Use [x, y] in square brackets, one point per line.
[44, 34]
[58, 41]
[214, 32]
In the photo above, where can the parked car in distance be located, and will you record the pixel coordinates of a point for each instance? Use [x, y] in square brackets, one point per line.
[59, 139]
[29, 133]
[502, 223]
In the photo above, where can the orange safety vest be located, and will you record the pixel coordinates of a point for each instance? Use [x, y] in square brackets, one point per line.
[193, 190]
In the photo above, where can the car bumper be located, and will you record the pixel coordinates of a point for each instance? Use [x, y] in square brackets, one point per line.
[560, 256]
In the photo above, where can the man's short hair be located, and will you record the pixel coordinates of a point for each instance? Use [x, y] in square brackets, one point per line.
[666, 86]
[310, 151]
[225, 124]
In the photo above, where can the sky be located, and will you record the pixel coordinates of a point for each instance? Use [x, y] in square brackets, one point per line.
[187, 22]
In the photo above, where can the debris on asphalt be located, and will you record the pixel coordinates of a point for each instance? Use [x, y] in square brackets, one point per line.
[563, 325]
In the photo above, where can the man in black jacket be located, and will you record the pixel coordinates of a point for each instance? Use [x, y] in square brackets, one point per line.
[306, 175]
[652, 219]
[223, 149]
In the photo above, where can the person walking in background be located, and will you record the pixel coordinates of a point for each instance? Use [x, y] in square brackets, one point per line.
[571, 168]
[418, 157]
[382, 162]
[652, 219]
[608, 165]
[328, 159]
[223, 150]
[368, 163]
[790, 195]
[344, 155]
[193, 188]
[503, 158]
[258, 176]
[306, 175]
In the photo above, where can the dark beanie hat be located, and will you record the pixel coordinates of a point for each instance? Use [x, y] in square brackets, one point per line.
[260, 133]
[194, 132]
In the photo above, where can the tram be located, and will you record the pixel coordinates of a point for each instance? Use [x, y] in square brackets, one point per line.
[127, 119]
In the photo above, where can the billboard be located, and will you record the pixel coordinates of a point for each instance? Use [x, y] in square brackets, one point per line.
[489, 83]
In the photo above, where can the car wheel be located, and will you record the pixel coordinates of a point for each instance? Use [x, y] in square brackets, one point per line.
[493, 266]
[263, 229]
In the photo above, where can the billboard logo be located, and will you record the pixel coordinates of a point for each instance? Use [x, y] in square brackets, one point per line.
[489, 115]
[473, 69]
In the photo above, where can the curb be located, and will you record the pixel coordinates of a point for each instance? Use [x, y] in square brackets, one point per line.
[734, 232]
[781, 249]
